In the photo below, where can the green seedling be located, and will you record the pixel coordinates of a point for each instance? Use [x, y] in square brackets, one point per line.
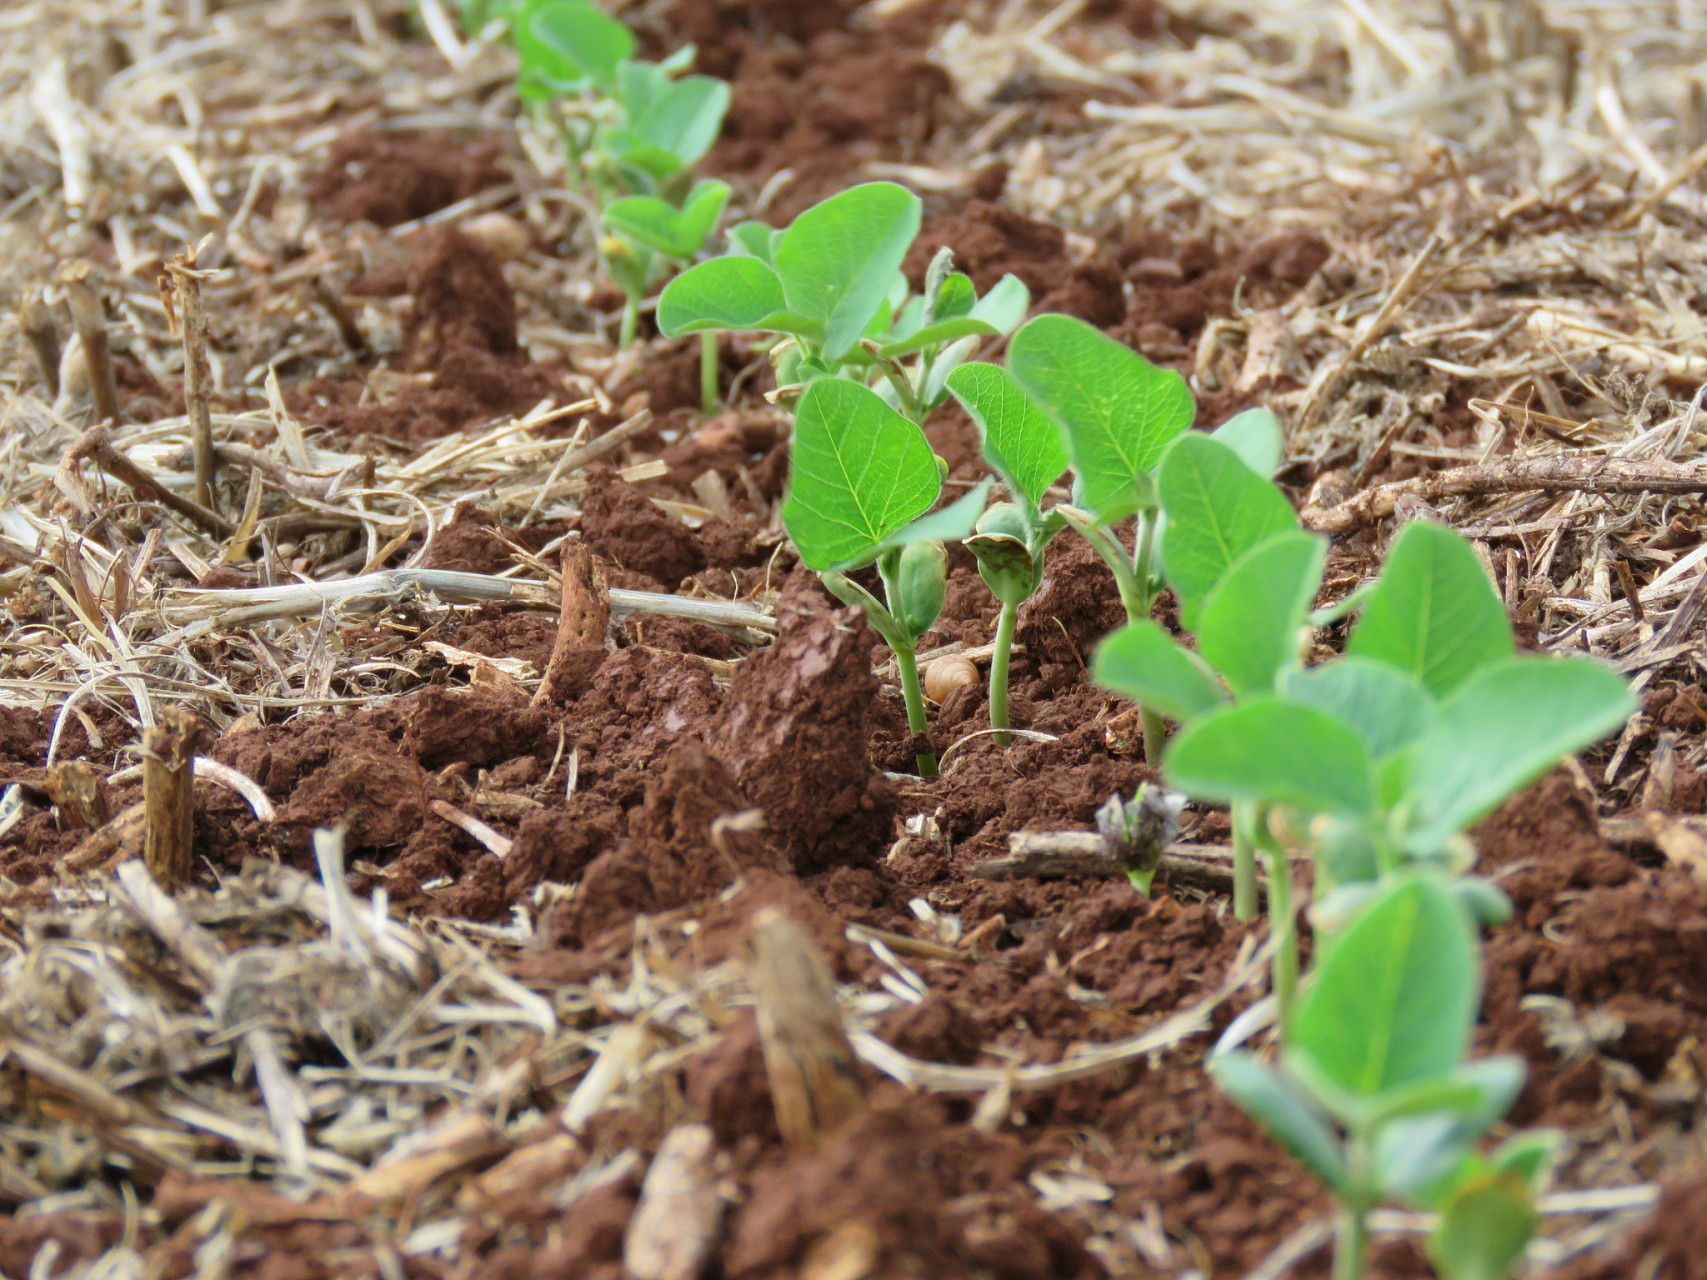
[863, 480]
[1382, 757]
[1374, 1093]
[1120, 413]
[830, 292]
[647, 234]
[1025, 448]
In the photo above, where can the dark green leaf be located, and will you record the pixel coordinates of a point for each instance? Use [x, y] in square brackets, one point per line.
[1268, 751]
[1143, 662]
[1388, 708]
[1250, 623]
[861, 473]
[735, 293]
[935, 335]
[1023, 444]
[1217, 509]
[1434, 613]
[953, 523]
[1503, 728]
[1120, 412]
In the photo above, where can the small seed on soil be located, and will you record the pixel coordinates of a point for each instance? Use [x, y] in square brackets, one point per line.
[507, 238]
[945, 675]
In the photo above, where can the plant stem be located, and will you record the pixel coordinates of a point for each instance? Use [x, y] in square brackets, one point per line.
[1244, 863]
[915, 696]
[1351, 1243]
[708, 372]
[1155, 736]
[999, 672]
[1143, 553]
[1282, 921]
[630, 323]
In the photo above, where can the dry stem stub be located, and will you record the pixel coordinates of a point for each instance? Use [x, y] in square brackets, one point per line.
[169, 798]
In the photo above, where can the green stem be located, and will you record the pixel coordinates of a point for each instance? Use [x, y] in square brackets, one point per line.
[630, 323]
[915, 696]
[1143, 552]
[1281, 919]
[1244, 863]
[1351, 1244]
[1155, 736]
[999, 672]
[708, 372]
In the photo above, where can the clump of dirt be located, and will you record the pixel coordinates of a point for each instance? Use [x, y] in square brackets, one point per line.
[796, 731]
[392, 178]
[823, 110]
[910, 1192]
[1076, 605]
[472, 541]
[460, 344]
[625, 527]
[1670, 1245]
[722, 31]
[730, 443]
[500, 633]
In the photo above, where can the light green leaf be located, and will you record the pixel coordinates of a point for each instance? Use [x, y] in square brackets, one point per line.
[563, 41]
[684, 119]
[735, 293]
[1483, 1230]
[838, 259]
[1393, 999]
[1272, 752]
[1217, 509]
[861, 473]
[954, 523]
[753, 238]
[1120, 412]
[935, 335]
[1254, 435]
[1434, 613]
[1023, 444]
[1143, 662]
[1388, 708]
[1005, 305]
[1278, 1105]
[1250, 623]
[1505, 727]
[675, 233]
[957, 296]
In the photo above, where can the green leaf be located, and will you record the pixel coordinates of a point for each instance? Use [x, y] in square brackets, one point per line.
[935, 335]
[1143, 662]
[957, 297]
[1434, 612]
[1254, 435]
[1005, 305]
[684, 119]
[1022, 443]
[1483, 1230]
[1217, 509]
[675, 233]
[735, 293]
[1528, 1155]
[861, 473]
[1393, 999]
[1276, 1104]
[754, 239]
[1272, 752]
[1249, 627]
[1504, 728]
[564, 41]
[953, 523]
[838, 259]
[1120, 412]
[920, 575]
[1388, 708]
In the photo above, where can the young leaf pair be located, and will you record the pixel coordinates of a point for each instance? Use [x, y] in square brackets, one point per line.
[1373, 1092]
[864, 479]
[830, 290]
[634, 130]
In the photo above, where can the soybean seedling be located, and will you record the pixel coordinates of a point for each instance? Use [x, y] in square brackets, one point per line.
[829, 290]
[1375, 1095]
[634, 131]
[863, 479]
[1025, 448]
[1381, 758]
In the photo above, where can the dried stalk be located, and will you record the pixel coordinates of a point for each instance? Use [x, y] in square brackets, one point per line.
[1060, 855]
[814, 1076]
[583, 626]
[168, 797]
[97, 443]
[183, 283]
[35, 322]
[674, 1228]
[91, 323]
[1555, 473]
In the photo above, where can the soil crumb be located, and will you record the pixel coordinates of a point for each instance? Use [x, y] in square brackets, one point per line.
[392, 178]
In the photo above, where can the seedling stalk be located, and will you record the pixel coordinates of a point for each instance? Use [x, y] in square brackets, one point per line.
[1282, 920]
[708, 372]
[999, 672]
[907, 662]
[630, 323]
[1244, 860]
